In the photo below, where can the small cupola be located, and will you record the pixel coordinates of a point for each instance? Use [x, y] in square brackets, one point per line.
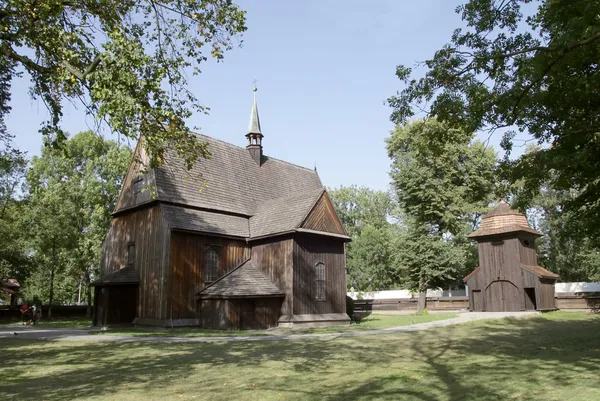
[254, 134]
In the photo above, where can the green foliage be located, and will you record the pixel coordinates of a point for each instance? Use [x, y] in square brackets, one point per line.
[359, 207]
[126, 61]
[430, 261]
[14, 261]
[441, 177]
[565, 248]
[519, 68]
[443, 182]
[364, 214]
[73, 190]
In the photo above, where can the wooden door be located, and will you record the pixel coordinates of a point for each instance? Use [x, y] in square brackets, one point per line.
[477, 301]
[502, 296]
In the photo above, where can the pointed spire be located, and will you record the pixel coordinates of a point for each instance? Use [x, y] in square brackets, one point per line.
[254, 126]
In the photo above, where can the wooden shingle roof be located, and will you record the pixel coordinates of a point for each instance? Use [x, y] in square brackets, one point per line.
[126, 275]
[502, 220]
[245, 281]
[541, 272]
[232, 181]
[182, 218]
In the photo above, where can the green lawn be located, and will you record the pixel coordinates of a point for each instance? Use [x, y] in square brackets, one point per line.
[74, 323]
[552, 357]
[372, 322]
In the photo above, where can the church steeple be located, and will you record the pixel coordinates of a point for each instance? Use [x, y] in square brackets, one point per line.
[254, 134]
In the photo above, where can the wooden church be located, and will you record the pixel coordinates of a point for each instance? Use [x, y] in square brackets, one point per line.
[255, 244]
[508, 277]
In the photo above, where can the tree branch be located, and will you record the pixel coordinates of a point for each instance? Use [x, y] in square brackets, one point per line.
[26, 61]
[83, 75]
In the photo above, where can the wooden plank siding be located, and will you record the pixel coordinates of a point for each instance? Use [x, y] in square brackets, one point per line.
[322, 217]
[128, 197]
[186, 268]
[275, 259]
[240, 314]
[308, 251]
[527, 249]
[147, 229]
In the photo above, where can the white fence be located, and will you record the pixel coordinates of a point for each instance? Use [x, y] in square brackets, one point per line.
[402, 294]
[461, 292]
[577, 287]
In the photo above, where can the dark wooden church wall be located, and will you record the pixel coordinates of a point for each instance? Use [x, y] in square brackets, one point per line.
[308, 251]
[323, 217]
[240, 314]
[147, 229]
[186, 268]
[275, 259]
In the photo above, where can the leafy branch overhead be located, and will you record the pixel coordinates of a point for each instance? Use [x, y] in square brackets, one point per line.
[125, 61]
[522, 66]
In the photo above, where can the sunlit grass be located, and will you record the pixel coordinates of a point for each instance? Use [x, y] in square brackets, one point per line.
[549, 357]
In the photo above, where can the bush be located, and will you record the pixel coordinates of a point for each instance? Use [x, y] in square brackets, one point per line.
[424, 312]
[349, 306]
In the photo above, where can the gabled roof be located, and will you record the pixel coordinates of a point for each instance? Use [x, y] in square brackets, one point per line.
[126, 275]
[282, 214]
[502, 220]
[231, 180]
[245, 281]
[540, 271]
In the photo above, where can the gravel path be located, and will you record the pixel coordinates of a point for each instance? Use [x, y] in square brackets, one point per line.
[35, 333]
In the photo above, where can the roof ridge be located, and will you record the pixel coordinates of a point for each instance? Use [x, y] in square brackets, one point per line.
[243, 148]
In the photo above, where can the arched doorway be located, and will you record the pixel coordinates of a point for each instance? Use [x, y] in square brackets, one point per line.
[502, 296]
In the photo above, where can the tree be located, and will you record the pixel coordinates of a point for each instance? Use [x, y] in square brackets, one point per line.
[364, 214]
[125, 61]
[443, 182]
[428, 261]
[73, 192]
[516, 68]
[14, 261]
[565, 248]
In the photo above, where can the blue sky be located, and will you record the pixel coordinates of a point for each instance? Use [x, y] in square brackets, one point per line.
[324, 70]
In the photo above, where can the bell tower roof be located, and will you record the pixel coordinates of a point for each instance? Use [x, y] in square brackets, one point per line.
[501, 220]
[254, 126]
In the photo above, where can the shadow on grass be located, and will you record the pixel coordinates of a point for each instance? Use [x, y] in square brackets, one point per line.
[464, 362]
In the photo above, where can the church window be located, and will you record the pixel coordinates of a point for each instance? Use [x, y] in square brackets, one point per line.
[211, 265]
[320, 281]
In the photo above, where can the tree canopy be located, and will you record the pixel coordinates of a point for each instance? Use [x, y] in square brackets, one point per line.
[516, 68]
[126, 61]
[443, 181]
[72, 193]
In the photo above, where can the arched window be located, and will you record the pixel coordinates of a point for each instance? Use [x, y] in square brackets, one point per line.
[211, 265]
[320, 281]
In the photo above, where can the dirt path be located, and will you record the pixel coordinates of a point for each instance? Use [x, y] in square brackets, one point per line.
[35, 333]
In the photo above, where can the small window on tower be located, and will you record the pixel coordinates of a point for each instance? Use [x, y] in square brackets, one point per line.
[138, 186]
[526, 242]
[130, 253]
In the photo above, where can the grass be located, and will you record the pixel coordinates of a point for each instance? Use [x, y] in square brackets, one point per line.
[63, 323]
[372, 322]
[554, 356]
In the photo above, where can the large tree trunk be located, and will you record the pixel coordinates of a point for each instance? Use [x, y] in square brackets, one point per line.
[422, 302]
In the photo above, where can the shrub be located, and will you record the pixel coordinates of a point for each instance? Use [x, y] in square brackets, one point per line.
[424, 312]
